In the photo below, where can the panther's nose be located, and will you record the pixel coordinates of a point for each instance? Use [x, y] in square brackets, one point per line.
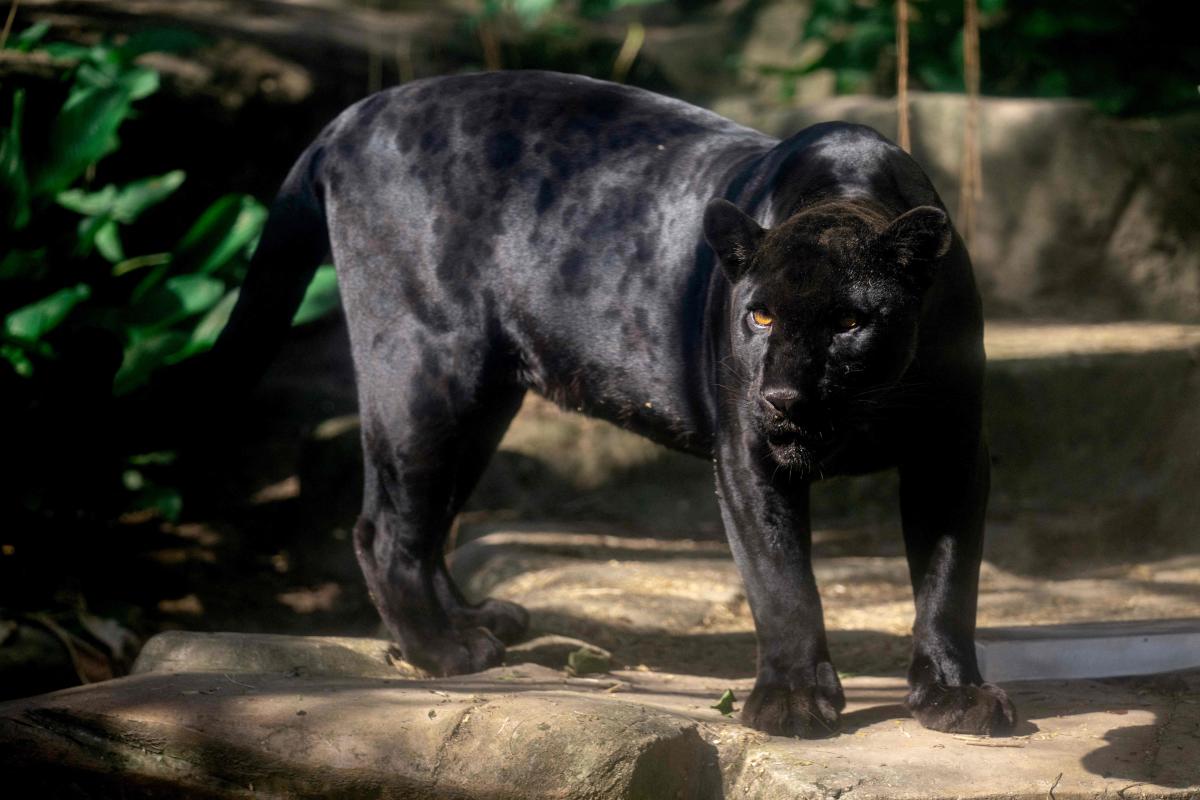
[782, 399]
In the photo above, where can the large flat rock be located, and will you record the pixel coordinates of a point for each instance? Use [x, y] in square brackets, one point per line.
[239, 715]
[506, 733]
[529, 731]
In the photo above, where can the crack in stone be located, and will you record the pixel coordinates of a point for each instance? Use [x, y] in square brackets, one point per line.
[441, 751]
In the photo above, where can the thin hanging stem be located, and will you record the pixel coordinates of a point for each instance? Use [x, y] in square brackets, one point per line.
[8, 23]
[635, 36]
[491, 46]
[902, 74]
[971, 186]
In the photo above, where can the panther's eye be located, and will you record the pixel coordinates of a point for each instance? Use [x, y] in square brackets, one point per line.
[847, 322]
[761, 319]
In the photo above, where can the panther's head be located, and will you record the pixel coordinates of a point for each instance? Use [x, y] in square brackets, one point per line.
[823, 313]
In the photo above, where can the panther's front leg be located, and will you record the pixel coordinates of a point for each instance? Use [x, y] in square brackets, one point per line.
[765, 511]
[943, 497]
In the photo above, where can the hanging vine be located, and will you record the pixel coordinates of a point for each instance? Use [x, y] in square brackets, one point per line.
[902, 74]
[971, 184]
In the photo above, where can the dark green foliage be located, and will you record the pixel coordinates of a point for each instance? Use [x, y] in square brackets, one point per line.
[85, 322]
[575, 36]
[1128, 58]
[531, 12]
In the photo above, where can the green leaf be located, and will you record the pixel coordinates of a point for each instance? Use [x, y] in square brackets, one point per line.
[725, 704]
[94, 73]
[89, 204]
[140, 195]
[205, 334]
[84, 132]
[196, 292]
[587, 660]
[179, 298]
[167, 501]
[25, 41]
[222, 230]
[123, 204]
[140, 82]
[14, 183]
[16, 357]
[320, 298]
[85, 233]
[144, 355]
[30, 323]
[108, 242]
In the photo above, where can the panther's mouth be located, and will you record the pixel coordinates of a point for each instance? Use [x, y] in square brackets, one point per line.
[798, 447]
[812, 433]
[793, 455]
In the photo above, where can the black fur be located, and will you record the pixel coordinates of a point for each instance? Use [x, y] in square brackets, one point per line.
[511, 231]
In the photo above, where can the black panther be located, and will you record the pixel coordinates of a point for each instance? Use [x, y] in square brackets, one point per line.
[789, 309]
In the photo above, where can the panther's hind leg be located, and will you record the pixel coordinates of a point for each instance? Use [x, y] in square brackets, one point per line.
[426, 419]
[480, 434]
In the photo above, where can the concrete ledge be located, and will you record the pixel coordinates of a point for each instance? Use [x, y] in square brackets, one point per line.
[1089, 650]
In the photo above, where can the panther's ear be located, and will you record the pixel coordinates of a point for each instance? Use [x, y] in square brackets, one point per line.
[917, 238]
[732, 235]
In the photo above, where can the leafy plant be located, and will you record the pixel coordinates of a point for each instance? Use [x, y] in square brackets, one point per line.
[72, 286]
[1072, 48]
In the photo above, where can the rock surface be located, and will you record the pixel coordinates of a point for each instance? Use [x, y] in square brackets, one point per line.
[529, 731]
[312, 656]
[241, 715]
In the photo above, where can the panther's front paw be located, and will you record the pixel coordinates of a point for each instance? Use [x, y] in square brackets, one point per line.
[464, 651]
[809, 710]
[983, 710]
[508, 621]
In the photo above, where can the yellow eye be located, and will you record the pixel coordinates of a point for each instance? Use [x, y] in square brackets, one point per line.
[761, 318]
[847, 322]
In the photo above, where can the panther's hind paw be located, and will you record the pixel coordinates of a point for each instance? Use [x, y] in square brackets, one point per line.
[508, 621]
[465, 651]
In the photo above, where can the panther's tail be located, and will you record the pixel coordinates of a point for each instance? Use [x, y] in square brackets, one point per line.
[208, 390]
[294, 242]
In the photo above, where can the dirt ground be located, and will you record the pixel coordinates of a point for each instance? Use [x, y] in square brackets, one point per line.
[263, 543]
